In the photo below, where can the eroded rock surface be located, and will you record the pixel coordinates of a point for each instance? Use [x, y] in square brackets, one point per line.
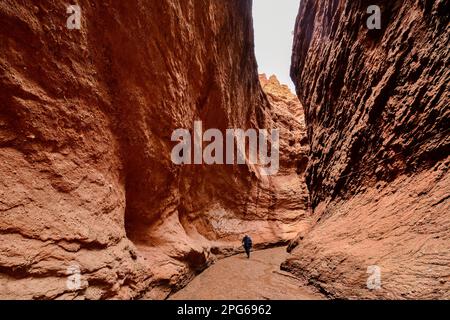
[288, 188]
[376, 107]
[86, 119]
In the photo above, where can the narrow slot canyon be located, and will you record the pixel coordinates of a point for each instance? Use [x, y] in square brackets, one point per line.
[89, 187]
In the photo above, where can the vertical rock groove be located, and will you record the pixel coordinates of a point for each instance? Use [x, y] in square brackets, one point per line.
[376, 105]
[86, 120]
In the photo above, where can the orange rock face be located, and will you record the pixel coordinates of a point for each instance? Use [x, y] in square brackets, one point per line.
[87, 184]
[287, 191]
[376, 106]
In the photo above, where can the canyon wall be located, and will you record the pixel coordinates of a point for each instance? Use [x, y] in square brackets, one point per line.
[87, 184]
[288, 190]
[377, 112]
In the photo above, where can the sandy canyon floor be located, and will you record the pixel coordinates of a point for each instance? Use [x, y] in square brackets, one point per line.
[239, 278]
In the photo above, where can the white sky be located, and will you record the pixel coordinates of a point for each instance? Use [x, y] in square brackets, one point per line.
[274, 22]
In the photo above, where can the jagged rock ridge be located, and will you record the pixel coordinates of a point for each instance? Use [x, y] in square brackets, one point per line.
[376, 107]
[85, 139]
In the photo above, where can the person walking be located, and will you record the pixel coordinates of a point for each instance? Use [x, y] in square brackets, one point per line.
[247, 244]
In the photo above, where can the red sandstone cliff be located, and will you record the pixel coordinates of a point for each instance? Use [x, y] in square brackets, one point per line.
[377, 111]
[86, 118]
[288, 188]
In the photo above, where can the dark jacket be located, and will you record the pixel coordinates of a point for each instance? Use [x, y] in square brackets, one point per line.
[247, 242]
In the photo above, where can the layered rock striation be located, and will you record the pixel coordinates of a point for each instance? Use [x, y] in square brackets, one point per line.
[88, 188]
[376, 107]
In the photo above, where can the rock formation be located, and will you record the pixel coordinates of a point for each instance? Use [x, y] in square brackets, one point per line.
[289, 194]
[289, 184]
[87, 185]
[376, 107]
[92, 207]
